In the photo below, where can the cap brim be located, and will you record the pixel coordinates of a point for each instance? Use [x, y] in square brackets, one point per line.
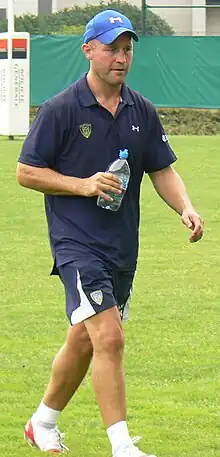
[112, 35]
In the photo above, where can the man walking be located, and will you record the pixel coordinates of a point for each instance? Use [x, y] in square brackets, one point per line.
[73, 139]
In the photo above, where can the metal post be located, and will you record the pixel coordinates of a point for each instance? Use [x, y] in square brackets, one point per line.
[11, 19]
[143, 17]
[54, 6]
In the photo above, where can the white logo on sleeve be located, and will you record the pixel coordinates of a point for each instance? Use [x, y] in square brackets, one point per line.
[114, 19]
[164, 138]
[135, 127]
[97, 296]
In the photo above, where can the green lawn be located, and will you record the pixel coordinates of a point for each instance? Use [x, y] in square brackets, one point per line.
[172, 355]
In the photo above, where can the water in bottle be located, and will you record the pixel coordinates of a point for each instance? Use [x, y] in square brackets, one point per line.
[121, 169]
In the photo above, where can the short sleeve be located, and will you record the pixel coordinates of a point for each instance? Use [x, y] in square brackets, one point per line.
[43, 140]
[159, 153]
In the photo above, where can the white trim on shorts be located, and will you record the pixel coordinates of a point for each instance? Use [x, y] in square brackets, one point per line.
[85, 309]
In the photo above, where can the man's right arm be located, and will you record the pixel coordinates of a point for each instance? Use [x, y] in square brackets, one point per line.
[52, 183]
[38, 157]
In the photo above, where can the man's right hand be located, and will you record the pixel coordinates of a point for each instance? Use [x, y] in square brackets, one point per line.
[100, 183]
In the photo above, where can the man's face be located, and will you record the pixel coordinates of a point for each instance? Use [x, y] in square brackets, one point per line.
[111, 62]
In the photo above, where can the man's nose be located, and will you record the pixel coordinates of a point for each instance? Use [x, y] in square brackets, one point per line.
[121, 56]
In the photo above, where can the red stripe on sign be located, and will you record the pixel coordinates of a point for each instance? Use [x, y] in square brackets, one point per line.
[19, 43]
[3, 44]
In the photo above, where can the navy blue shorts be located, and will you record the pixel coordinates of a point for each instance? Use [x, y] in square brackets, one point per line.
[91, 288]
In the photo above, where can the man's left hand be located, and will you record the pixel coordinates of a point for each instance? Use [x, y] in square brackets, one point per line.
[194, 222]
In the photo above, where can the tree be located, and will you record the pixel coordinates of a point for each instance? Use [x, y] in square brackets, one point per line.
[70, 30]
[71, 19]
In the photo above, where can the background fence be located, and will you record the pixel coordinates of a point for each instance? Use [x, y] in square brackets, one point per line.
[171, 71]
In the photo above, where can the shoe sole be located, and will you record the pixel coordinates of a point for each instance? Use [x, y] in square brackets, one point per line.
[32, 444]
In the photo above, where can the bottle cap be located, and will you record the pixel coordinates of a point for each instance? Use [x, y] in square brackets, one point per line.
[123, 154]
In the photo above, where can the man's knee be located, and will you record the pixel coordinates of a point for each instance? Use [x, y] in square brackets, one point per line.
[109, 341]
[106, 331]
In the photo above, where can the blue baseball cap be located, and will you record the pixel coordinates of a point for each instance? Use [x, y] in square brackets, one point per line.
[107, 26]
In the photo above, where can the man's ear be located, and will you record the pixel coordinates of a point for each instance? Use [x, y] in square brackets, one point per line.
[87, 50]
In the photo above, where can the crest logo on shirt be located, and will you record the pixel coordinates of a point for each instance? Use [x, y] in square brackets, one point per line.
[97, 296]
[86, 130]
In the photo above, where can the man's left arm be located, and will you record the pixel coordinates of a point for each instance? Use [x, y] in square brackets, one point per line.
[171, 189]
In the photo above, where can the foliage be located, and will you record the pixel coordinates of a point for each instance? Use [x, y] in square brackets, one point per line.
[182, 121]
[70, 30]
[65, 21]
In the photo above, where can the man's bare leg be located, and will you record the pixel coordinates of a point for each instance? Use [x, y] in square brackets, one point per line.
[105, 331]
[69, 367]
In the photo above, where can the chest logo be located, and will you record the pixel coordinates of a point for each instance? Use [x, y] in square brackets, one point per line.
[135, 127]
[86, 130]
[97, 296]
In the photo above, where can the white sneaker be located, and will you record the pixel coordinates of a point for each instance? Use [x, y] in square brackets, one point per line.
[44, 438]
[131, 450]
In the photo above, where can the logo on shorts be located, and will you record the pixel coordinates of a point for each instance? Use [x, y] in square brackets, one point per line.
[164, 138]
[97, 296]
[86, 130]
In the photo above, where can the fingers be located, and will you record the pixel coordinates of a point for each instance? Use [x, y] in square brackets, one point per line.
[197, 228]
[197, 233]
[105, 196]
[195, 223]
[100, 183]
[107, 182]
[111, 180]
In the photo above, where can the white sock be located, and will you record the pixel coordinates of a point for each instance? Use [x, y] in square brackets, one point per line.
[118, 435]
[46, 414]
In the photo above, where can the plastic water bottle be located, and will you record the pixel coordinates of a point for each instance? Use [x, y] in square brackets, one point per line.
[121, 169]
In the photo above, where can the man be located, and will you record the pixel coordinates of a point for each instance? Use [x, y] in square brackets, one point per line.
[75, 136]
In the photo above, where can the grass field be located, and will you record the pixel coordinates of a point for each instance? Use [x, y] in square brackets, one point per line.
[172, 357]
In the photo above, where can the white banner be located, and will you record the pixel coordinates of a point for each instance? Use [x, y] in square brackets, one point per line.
[4, 96]
[14, 83]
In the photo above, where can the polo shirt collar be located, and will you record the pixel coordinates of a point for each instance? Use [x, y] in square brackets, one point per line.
[87, 98]
[126, 96]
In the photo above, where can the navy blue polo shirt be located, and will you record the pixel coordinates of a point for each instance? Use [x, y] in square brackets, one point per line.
[74, 135]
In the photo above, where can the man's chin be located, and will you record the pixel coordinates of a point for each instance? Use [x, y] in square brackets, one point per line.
[118, 78]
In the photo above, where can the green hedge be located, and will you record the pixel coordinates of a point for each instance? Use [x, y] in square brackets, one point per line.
[185, 121]
[181, 121]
